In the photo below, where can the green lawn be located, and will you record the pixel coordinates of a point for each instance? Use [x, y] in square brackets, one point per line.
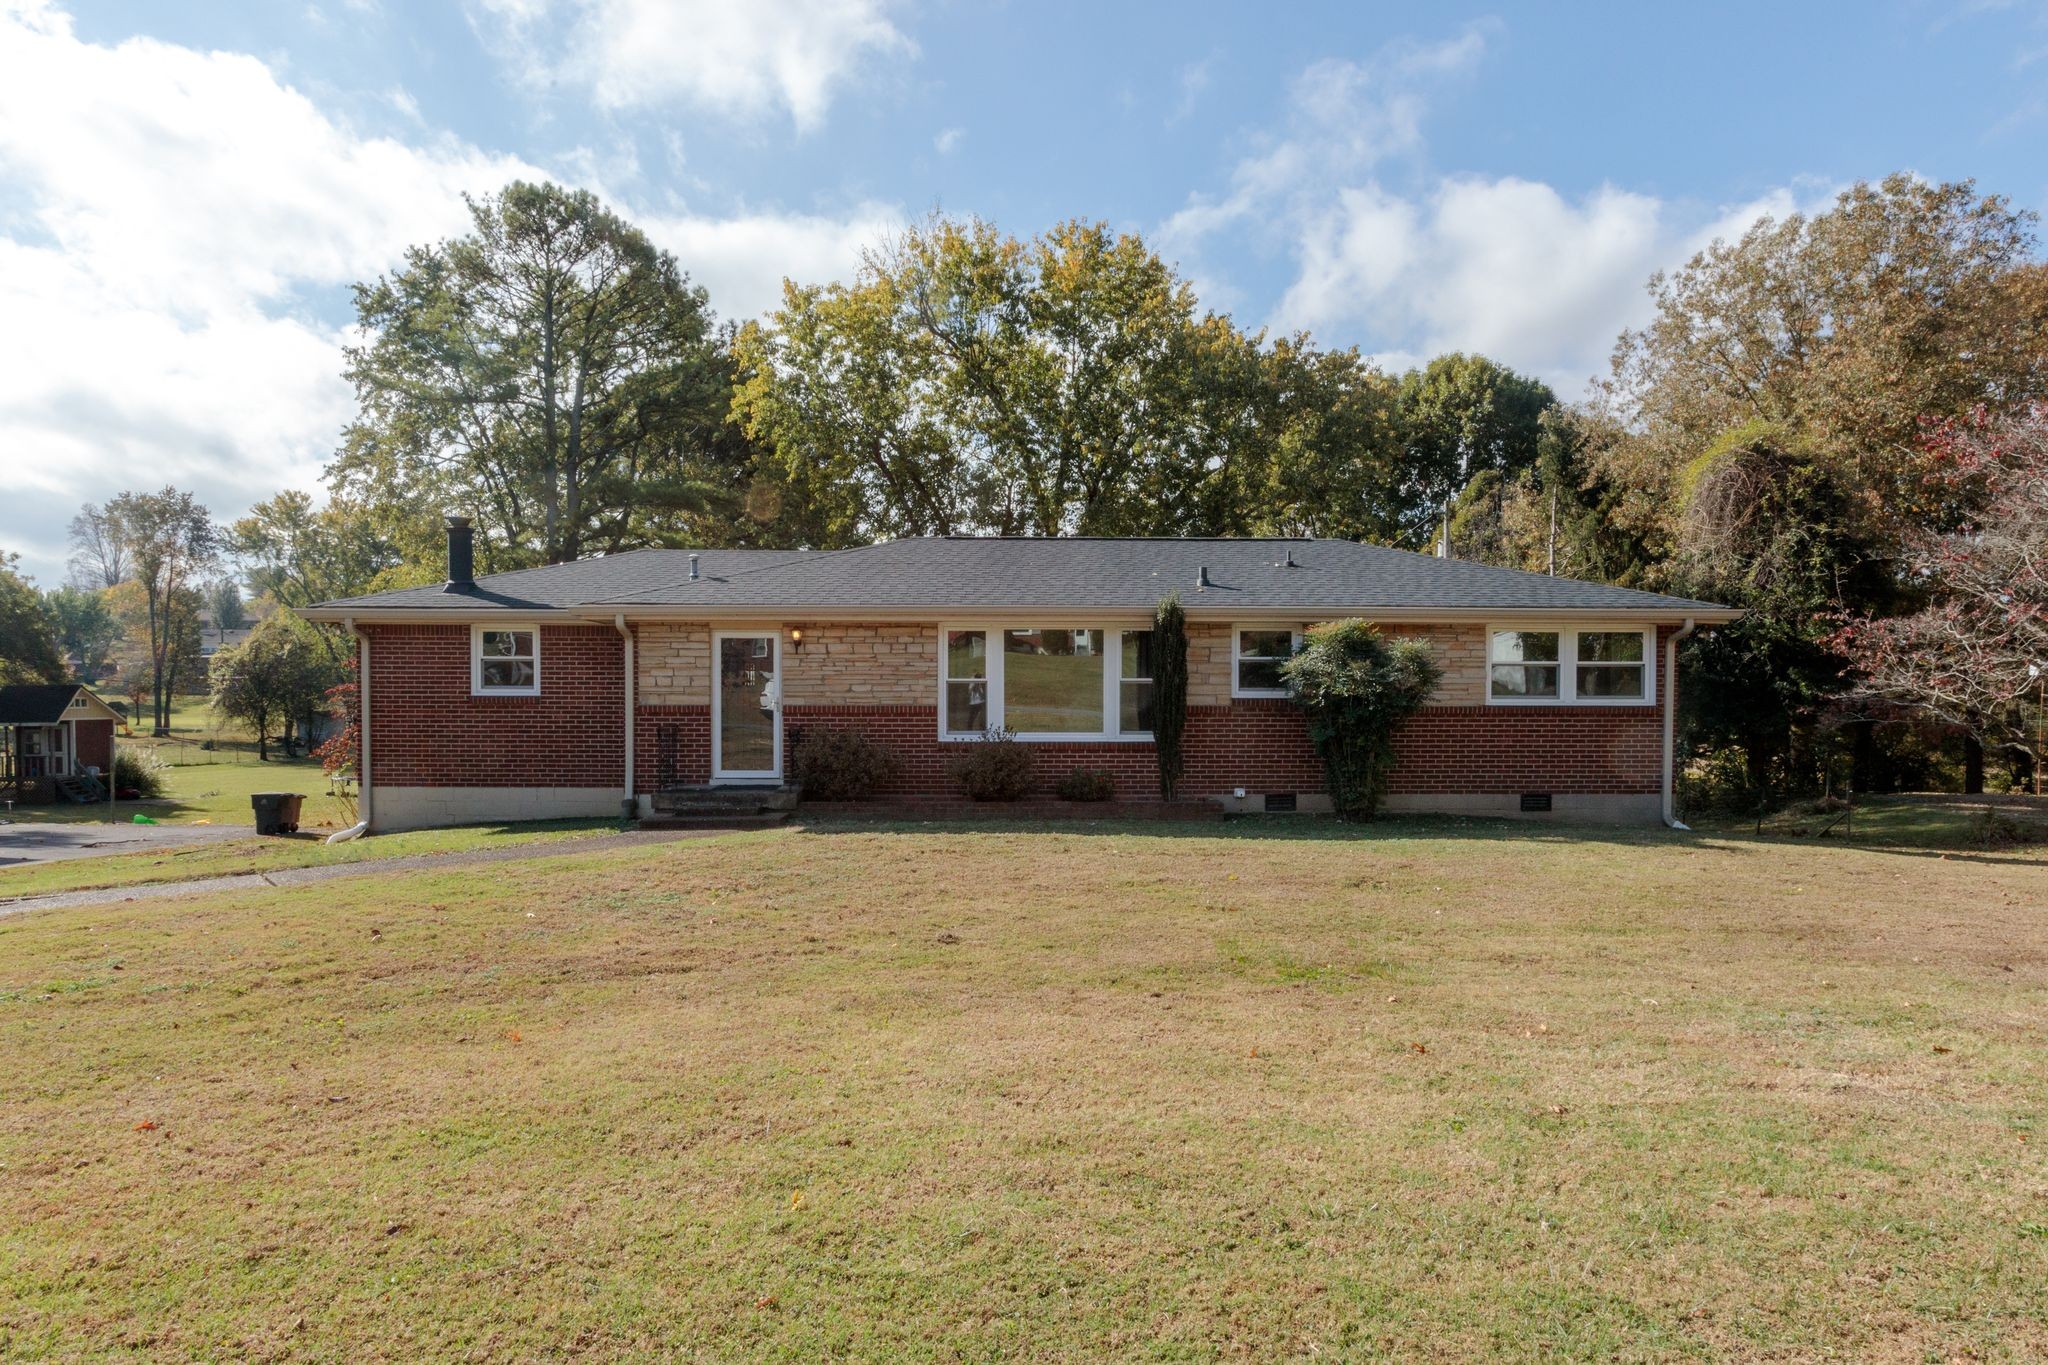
[215, 793]
[1428, 1090]
[1918, 820]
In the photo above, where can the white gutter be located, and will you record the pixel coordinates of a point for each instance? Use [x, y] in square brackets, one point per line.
[1671, 721]
[759, 614]
[363, 801]
[619, 624]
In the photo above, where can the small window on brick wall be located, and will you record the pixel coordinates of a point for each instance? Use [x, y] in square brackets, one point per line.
[1256, 657]
[504, 661]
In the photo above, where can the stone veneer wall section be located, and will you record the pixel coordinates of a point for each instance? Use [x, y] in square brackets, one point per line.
[671, 664]
[855, 664]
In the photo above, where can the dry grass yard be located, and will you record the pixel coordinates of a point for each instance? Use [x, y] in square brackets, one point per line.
[1429, 1091]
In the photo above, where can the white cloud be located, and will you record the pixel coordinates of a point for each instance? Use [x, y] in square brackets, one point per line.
[1194, 82]
[740, 60]
[1342, 118]
[742, 261]
[1506, 266]
[948, 142]
[176, 228]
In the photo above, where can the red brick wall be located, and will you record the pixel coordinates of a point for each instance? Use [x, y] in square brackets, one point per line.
[1491, 750]
[94, 739]
[426, 730]
[671, 747]
[1263, 746]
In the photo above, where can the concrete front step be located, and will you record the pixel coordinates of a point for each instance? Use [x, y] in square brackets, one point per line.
[763, 819]
[725, 801]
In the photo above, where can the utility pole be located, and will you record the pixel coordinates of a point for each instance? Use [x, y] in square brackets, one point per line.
[1553, 533]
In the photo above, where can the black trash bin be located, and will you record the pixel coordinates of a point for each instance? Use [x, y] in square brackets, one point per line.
[276, 812]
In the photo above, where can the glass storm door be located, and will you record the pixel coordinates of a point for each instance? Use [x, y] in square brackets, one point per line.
[746, 708]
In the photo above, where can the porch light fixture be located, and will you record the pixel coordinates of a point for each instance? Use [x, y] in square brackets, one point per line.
[796, 639]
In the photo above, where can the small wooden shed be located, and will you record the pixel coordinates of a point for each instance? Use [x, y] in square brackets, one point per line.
[54, 736]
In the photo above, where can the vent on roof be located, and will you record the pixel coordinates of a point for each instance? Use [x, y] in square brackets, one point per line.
[1201, 578]
[693, 568]
[1288, 561]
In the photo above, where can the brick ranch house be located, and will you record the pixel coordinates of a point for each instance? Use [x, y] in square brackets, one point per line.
[554, 692]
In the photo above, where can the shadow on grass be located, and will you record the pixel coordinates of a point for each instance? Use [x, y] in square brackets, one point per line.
[1937, 841]
[1293, 828]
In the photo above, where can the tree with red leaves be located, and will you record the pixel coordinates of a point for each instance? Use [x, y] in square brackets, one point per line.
[1972, 658]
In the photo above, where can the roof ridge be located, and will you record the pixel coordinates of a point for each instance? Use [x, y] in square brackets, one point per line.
[808, 556]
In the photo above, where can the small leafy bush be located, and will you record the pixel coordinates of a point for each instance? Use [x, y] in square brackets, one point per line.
[140, 771]
[994, 768]
[1357, 689]
[843, 765]
[1086, 784]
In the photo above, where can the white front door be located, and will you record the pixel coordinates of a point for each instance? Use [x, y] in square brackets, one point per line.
[746, 706]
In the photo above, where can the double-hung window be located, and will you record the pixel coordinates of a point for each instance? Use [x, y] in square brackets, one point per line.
[1256, 656]
[1561, 667]
[1045, 682]
[504, 661]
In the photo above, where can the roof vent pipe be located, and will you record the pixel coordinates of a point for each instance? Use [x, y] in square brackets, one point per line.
[1201, 578]
[461, 555]
[693, 568]
[1289, 562]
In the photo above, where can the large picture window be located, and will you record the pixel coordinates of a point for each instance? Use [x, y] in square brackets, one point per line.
[504, 661]
[1045, 682]
[1557, 666]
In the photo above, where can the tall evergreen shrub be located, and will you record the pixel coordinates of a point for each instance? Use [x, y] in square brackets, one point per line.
[1169, 690]
[1357, 688]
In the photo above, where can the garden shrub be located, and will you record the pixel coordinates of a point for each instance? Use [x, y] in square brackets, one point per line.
[1357, 689]
[994, 768]
[139, 771]
[1086, 784]
[843, 765]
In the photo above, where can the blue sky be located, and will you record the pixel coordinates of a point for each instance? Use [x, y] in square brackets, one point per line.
[187, 191]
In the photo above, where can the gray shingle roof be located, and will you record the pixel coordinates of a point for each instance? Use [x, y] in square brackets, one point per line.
[35, 703]
[572, 585]
[970, 573]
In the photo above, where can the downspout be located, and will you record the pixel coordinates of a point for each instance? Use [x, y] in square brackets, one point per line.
[630, 804]
[362, 824]
[1671, 722]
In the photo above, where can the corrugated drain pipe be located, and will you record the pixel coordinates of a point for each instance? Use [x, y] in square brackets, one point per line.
[1671, 723]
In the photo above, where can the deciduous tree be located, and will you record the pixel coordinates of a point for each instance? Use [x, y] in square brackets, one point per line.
[279, 676]
[87, 628]
[1969, 659]
[28, 636]
[170, 542]
[552, 373]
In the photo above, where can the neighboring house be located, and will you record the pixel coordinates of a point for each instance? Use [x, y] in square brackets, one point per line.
[51, 732]
[553, 691]
[213, 639]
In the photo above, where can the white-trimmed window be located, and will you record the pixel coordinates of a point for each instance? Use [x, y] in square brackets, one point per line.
[1256, 653]
[1045, 682]
[504, 661]
[1560, 666]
